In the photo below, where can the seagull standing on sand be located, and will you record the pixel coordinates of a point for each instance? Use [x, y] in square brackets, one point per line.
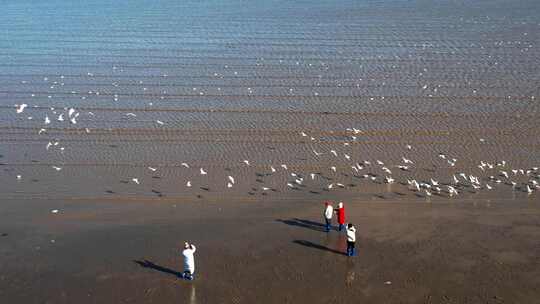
[135, 180]
[203, 172]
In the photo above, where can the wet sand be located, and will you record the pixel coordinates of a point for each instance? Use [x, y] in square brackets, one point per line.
[268, 252]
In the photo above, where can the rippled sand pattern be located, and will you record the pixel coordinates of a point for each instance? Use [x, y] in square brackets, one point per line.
[230, 81]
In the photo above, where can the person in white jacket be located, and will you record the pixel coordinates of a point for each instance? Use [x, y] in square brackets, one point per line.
[328, 213]
[189, 261]
[351, 239]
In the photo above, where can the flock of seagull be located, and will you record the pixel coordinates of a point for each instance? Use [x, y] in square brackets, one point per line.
[500, 172]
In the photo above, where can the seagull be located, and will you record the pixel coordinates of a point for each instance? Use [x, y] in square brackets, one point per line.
[348, 157]
[54, 211]
[333, 152]
[231, 179]
[57, 168]
[303, 134]
[135, 180]
[330, 186]
[284, 166]
[48, 145]
[312, 175]
[19, 177]
[317, 153]
[131, 114]
[272, 169]
[380, 162]
[72, 120]
[185, 165]
[152, 169]
[456, 180]
[529, 190]
[386, 170]
[333, 168]
[442, 156]
[203, 172]
[61, 117]
[246, 162]
[20, 108]
[71, 111]
[407, 161]
[389, 180]
[340, 185]
[160, 122]
[41, 131]
[428, 193]
[409, 147]
[434, 182]
[265, 188]
[488, 186]
[290, 185]
[47, 120]
[229, 185]
[188, 184]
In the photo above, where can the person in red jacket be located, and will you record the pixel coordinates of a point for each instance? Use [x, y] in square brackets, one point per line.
[340, 211]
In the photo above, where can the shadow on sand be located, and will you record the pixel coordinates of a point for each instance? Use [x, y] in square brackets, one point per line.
[148, 264]
[304, 224]
[317, 246]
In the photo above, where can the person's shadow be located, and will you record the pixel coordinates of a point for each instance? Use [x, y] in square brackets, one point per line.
[304, 224]
[148, 264]
[317, 246]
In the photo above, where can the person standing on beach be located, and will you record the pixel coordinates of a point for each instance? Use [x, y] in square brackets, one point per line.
[340, 211]
[328, 213]
[189, 261]
[351, 239]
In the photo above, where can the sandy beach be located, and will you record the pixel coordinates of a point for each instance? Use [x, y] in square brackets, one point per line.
[127, 129]
[128, 252]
